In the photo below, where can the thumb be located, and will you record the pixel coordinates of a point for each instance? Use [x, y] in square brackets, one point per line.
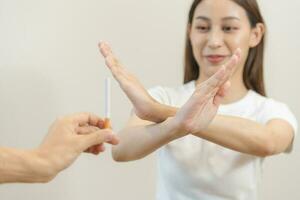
[98, 137]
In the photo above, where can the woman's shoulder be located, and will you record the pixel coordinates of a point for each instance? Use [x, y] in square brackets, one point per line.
[266, 102]
[270, 108]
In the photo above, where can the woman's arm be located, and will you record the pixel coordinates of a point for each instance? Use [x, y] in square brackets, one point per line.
[248, 136]
[141, 137]
[146, 107]
[239, 134]
[235, 133]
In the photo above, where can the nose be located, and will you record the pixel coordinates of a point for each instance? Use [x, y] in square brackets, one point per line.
[215, 39]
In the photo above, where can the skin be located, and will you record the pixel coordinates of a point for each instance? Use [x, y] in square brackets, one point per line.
[219, 27]
[141, 137]
[67, 138]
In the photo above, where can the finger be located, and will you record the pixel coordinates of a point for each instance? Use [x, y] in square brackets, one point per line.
[114, 66]
[96, 149]
[224, 89]
[111, 61]
[98, 137]
[217, 99]
[212, 83]
[99, 148]
[231, 64]
[223, 74]
[104, 48]
[85, 118]
[86, 130]
[90, 150]
[117, 70]
[221, 92]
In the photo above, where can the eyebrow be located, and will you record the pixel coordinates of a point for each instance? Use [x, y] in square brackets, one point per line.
[223, 19]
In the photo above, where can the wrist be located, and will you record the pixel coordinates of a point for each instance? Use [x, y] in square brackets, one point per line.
[23, 166]
[42, 168]
[175, 129]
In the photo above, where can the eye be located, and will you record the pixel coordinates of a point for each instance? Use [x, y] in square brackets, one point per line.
[228, 29]
[202, 28]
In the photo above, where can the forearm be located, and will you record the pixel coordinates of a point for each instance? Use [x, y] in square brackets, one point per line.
[24, 166]
[164, 112]
[161, 112]
[239, 134]
[235, 133]
[138, 141]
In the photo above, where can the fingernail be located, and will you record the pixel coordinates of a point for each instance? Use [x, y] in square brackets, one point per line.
[100, 124]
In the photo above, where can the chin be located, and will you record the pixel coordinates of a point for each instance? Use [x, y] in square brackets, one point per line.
[209, 71]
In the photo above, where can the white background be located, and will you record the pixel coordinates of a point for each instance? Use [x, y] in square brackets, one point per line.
[50, 66]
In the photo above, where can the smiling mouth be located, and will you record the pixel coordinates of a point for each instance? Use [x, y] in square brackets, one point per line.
[215, 59]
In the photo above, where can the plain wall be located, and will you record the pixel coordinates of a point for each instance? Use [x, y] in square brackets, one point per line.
[50, 66]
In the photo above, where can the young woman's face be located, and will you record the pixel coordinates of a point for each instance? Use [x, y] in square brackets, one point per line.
[219, 27]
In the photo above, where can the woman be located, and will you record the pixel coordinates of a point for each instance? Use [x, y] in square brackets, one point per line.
[222, 159]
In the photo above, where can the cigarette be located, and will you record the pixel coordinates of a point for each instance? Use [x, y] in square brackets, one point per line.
[107, 102]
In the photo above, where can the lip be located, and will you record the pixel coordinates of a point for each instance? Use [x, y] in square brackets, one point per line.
[215, 59]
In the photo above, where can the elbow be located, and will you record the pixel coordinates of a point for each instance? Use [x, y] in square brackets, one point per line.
[118, 156]
[266, 149]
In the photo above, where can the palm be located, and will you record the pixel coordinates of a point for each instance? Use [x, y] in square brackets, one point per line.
[204, 116]
[200, 109]
[198, 112]
[132, 87]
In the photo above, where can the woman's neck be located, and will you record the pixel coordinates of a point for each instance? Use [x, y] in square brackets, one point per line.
[236, 91]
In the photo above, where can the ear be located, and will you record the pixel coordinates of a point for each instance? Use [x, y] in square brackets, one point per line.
[257, 34]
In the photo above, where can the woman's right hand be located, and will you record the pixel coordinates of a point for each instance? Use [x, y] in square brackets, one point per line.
[144, 105]
[196, 114]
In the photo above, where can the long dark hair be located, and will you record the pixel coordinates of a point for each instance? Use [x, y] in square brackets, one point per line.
[253, 71]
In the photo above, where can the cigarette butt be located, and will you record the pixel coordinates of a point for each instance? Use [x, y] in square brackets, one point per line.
[107, 123]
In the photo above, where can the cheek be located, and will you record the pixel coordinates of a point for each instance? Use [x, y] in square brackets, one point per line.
[197, 45]
[239, 41]
[242, 42]
[197, 39]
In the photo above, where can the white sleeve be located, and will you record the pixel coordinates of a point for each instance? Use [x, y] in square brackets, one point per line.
[277, 110]
[159, 94]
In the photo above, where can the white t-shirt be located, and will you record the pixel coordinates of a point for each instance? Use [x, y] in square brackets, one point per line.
[191, 168]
